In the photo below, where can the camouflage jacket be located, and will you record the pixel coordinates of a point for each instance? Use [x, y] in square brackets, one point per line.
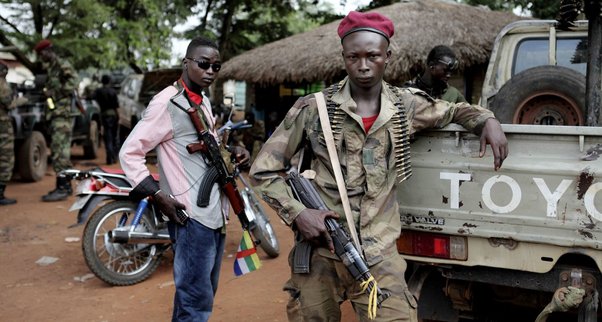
[5, 99]
[369, 161]
[61, 81]
[449, 93]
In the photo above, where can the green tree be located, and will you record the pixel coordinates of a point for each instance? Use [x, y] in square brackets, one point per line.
[102, 34]
[240, 25]
[543, 9]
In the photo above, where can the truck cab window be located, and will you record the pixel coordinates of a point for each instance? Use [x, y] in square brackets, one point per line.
[570, 53]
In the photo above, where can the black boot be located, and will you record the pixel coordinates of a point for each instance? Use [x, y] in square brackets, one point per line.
[5, 201]
[61, 192]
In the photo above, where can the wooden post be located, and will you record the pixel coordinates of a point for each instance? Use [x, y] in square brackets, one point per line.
[593, 85]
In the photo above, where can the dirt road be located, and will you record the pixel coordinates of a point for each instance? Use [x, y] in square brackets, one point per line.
[32, 229]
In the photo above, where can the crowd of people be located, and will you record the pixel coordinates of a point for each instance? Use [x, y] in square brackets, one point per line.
[365, 131]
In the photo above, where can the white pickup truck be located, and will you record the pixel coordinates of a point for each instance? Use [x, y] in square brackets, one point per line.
[496, 246]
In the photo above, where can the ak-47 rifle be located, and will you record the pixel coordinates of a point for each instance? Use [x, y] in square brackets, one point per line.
[306, 193]
[218, 171]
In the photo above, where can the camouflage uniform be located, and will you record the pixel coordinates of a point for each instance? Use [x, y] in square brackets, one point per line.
[7, 137]
[449, 93]
[61, 81]
[368, 162]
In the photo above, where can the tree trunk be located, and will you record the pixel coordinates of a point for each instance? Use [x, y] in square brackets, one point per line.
[593, 87]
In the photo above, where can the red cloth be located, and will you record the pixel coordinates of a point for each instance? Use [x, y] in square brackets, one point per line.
[366, 21]
[194, 97]
[43, 44]
[369, 121]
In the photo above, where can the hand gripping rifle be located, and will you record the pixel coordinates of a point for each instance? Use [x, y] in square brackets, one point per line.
[306, 193]
[218, 171]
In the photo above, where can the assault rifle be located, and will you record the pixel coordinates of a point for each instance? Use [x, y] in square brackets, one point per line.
[218, 170]
[306, 193]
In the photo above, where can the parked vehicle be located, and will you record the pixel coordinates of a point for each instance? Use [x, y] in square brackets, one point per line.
[136, 91]
[499, 246]
[121, 249]
[115, 249]
[31, 131]
[536, 74]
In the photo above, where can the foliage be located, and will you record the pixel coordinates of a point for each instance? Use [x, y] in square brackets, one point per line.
[542, 9]
[102, 34]
[246, 24]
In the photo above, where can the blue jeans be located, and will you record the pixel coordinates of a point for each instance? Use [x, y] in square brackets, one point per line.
[198, 254]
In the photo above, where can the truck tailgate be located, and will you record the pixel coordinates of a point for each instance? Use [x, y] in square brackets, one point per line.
[548, 192]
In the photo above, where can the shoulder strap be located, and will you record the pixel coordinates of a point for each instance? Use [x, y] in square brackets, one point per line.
[336, 167]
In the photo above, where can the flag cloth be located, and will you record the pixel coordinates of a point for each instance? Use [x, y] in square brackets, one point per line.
[246, 256]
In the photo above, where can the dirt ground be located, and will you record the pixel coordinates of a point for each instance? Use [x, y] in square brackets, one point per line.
[32, 229]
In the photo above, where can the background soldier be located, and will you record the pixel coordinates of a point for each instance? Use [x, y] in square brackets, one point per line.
[441, 63]
[106, 97]
[7, 137]
[60, 83]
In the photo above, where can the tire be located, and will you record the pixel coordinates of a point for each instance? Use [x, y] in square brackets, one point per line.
[544, 95]
[92, 144]
[114, 263]
[262, 229]
[32, 158]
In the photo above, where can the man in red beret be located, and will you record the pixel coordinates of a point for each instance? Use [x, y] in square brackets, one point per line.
[371, 122]
[61, 80]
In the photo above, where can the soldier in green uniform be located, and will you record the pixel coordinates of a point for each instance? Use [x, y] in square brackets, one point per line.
[7, 137]
[371, 137]
[441, 62]
[60, 83]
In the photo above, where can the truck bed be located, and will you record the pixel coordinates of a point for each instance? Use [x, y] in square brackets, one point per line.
[546, 195]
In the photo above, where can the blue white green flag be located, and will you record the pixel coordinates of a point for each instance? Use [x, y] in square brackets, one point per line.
[246, 256]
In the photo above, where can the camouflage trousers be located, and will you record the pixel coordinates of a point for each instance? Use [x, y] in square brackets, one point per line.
[317, 296]
[60, 146]
[7, 151]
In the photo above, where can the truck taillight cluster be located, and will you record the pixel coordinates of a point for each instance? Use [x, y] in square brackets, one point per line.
[425, 244]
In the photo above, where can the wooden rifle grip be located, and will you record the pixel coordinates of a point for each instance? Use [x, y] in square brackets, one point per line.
[196, 120]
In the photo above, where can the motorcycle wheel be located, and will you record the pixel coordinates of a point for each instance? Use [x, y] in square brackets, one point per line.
[114, 263]
[262, 230]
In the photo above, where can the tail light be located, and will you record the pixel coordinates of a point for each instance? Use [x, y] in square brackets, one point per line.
[432, 245]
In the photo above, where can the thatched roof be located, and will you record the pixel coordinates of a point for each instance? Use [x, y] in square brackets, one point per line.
[420, 25]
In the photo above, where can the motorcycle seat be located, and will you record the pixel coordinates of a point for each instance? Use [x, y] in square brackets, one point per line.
[120, 171]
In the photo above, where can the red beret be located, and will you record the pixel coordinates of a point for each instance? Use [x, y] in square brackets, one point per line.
[43, 44]
[368, 21]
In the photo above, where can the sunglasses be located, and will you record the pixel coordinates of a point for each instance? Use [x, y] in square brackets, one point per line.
[205, 64]
[450, 65]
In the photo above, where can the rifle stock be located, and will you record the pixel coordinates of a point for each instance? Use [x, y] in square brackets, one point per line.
[344, 248]
[210, 150]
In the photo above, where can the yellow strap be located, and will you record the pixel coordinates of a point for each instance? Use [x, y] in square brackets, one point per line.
[372, 297]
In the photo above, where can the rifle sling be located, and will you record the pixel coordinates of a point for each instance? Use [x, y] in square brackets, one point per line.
[336, 167]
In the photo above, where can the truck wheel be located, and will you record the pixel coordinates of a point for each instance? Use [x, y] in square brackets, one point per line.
[33, 158]
[543, 95]
[93, 143]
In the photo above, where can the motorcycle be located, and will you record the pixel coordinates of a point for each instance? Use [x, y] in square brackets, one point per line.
[116, 251]
[124, 241]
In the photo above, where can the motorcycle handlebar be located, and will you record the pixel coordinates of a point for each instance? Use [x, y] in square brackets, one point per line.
[231, 126]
